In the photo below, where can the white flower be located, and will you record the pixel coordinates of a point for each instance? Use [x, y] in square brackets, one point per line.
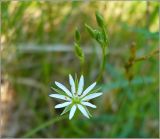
[76, 98]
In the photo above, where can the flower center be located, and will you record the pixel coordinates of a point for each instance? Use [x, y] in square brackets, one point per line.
[76, 100]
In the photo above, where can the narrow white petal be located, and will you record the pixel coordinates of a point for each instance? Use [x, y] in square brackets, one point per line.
[82, 109]
[80, 85]
[63, 88]
[60, 96]
[71, 81]
[88, 104]
[63, 105]
[88, 89]
[71, 114]
[91, 96]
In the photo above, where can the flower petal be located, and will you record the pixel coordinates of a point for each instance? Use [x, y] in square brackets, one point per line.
[82, 109]
[88, 104]
[88, 89]
[71, 114]
[91, 96]
[80, 85]
[71, 81]
[63, 88]
[59, 96]
[63, 105]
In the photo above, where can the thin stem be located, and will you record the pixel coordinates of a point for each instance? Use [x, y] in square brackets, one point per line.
[43, 125]
[147, 56]
[103, 63]
[82, 66]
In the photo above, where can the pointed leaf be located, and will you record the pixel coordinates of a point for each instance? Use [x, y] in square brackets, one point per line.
[58, 91]
[95, 90]
[66, 109]
[90, 115]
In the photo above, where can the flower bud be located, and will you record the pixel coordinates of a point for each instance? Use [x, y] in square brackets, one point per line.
[100, 19]
[77, 35]
[79, 52]
[99, 37]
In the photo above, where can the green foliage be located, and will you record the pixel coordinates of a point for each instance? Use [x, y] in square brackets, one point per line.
[128, 108]
[101, 37]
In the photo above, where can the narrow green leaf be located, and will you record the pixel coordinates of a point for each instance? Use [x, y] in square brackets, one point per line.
[87, 111]
[58, 91]
[66, 109]
[90, 30]
[95, 90]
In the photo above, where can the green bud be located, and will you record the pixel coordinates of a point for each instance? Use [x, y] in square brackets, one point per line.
[99, 37]
[100, 19]
[79, 52]
[77, 35]
[90, 30]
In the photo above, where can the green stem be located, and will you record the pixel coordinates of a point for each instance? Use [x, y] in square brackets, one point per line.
[103, 63]
[43, 125]
[82, 66]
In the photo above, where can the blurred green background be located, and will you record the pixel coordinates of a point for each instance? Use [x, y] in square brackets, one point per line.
[37, 48]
